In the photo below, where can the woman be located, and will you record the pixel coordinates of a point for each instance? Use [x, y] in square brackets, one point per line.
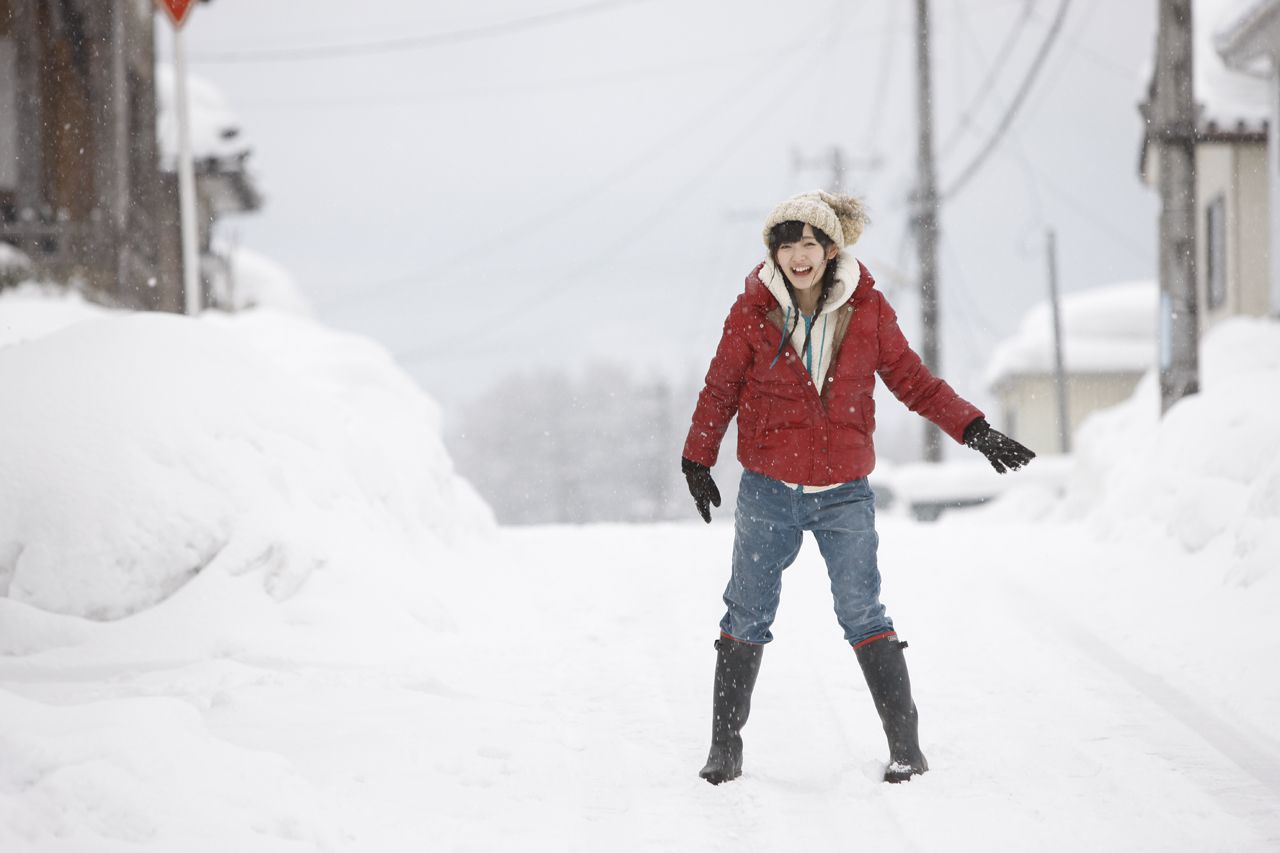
[797, 364]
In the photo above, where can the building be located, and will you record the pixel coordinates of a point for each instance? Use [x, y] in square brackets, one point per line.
[1248, 41]
[1234, 179]
[224, 184]
[87, 190]
[1109, 342]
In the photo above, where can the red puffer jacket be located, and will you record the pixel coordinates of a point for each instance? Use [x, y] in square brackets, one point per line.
[786, 429]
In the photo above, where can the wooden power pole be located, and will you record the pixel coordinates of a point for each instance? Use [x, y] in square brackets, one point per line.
[1175, 131]
[924, 216]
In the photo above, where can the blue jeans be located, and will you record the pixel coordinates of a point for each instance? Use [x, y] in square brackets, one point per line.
[770, 521]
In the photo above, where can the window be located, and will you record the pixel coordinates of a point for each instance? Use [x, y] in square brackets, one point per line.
[1216, 252]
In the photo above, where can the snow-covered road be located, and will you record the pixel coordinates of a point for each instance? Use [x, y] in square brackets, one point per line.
[1072, 695]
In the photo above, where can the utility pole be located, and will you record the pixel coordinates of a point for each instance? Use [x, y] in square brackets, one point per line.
[1059, 372]
[1175, 131]
[924, 216]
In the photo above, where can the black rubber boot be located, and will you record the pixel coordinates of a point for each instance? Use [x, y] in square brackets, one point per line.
[737, 665]
[885, 668]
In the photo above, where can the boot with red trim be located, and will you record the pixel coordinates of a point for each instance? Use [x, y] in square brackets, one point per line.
[737, 665]
[885, 668]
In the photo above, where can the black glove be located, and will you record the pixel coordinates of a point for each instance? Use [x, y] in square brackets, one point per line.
[701, 486]
[1001, 451]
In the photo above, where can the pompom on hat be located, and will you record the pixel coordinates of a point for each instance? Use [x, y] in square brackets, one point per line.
[841, 217]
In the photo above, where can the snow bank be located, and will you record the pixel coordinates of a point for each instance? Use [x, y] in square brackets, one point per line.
[124, 773]
[256, 281]
[272, 460]
[33, 310]
[1207, 475]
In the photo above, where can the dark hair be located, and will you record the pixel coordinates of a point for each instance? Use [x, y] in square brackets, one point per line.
[790, 232]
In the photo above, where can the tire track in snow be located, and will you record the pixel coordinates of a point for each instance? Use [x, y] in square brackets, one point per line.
[1252, 751]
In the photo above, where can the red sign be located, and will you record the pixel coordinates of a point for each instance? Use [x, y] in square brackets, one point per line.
[177, 9]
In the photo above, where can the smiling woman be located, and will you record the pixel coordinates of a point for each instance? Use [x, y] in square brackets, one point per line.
[798, 360]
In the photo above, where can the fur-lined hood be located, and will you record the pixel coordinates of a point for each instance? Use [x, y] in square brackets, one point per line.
[850, 274]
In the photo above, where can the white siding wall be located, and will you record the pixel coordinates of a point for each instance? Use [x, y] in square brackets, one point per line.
[1238, 174]
[1030, 408]
[1252, 255]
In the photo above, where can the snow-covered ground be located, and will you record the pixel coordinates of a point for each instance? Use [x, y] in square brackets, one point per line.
[249, 607]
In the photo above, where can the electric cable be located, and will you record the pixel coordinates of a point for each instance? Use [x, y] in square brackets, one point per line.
[408, 43]
[561, 84]
[1054, 73]
[882, 74]
[577, 275]
[1006, 50]
[544, 219]
[967, 173]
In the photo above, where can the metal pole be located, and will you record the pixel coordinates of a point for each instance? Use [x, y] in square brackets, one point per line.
[186, 182]
[924, 217]
[1175, 133]
[1059, 374]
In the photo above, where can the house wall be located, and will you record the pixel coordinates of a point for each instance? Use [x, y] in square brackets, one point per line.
[87, 200]
[1236, 174]
[1252, 232]
[1029, 404]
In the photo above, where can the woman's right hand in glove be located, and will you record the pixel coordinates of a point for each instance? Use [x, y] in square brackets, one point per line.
[701, 486]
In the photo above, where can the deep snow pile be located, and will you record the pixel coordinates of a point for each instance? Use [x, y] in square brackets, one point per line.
[145, 450]
[1207, 474]
[307, 691]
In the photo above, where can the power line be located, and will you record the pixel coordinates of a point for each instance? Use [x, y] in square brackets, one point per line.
[576, 276]
[408, 43]
[1003, 54]
[1007, 119]
[585, 81]
[1070, 41]
[882, 75]
[1087, 212]
[544, 219]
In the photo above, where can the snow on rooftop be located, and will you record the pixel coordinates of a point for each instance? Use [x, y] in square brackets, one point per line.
[215, 129]
[1228, 97]
[1109, 329]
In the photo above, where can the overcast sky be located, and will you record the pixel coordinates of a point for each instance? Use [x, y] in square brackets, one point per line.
[493, 185]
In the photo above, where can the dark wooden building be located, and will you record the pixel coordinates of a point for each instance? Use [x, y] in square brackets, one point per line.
[83, 189]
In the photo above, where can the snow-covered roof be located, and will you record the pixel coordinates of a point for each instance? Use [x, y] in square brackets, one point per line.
[1246, 37]
[1109, 329]
[1231, 100]
[215, 129]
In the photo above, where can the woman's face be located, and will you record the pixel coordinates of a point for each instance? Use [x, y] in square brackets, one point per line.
[804, 261]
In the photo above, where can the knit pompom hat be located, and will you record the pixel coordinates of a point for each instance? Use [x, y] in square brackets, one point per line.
[841, 217]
